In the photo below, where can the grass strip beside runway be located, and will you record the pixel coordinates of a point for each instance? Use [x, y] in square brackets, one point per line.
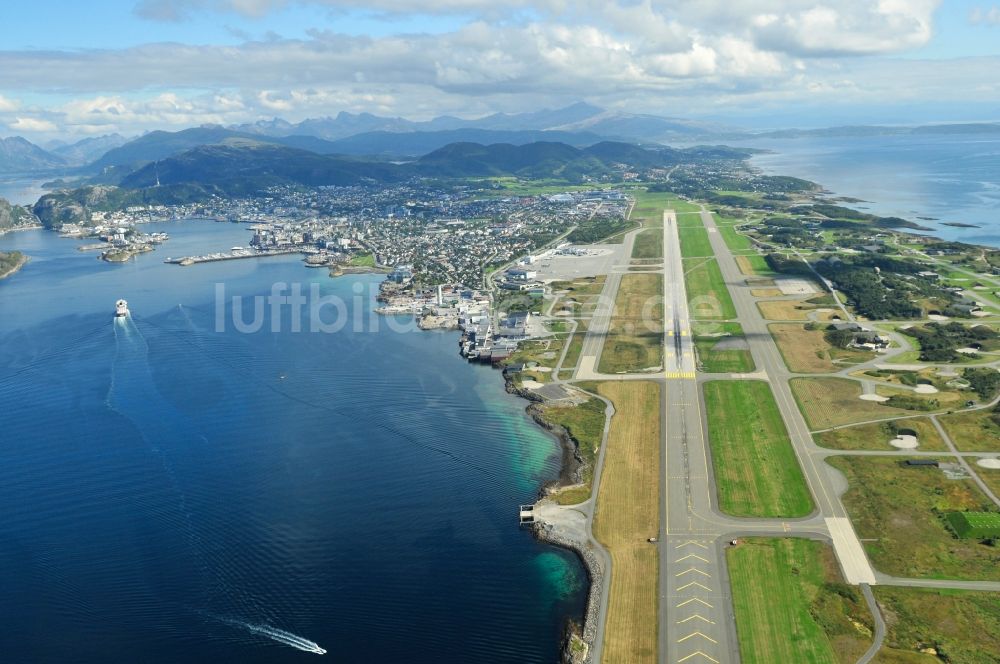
[756, 471]
[628, 514]
[792, 606]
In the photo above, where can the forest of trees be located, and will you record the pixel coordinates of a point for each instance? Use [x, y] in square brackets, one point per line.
[938, 342]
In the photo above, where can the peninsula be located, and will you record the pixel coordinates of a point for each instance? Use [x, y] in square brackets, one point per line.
[11, 262]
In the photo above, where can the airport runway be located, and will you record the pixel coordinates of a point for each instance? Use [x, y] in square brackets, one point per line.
[696, 615]
[696, 622]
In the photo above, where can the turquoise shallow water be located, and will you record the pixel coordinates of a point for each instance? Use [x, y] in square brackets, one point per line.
[171, 492]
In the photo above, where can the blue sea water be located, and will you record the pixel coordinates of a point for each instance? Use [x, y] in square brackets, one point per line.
[951, 178]
[22, 190]
[170, 492]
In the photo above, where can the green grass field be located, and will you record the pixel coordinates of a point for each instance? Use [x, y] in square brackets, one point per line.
[975, 431]
[756, 471]
[755, 265]
[792, 606]
[649, 207]
[975, 525]
[736, 242]
[646, 201]
[648, 244]
[708, 297]
[897, 510]
[963, 626]
[585, 424]
[362, 260]
[721, 348]
[694, 241]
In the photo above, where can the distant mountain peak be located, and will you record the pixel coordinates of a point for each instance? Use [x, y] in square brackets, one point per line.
[19, 155]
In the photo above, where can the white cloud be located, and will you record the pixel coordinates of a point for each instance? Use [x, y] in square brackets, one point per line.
[633, 54]
[985, 15]
[32, 124]
[844, 28]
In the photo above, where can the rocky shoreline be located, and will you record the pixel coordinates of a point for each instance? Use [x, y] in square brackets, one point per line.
[588, 633]
[577, 642]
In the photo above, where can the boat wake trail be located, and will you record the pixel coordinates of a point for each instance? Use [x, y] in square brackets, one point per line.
[275, 634]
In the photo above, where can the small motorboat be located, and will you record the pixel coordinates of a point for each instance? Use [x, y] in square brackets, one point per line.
[121, 309]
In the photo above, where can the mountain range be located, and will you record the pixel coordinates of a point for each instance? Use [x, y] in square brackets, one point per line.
[110, 159]
[18, 155]
[579, 117]
[240, 166]
[243, 166]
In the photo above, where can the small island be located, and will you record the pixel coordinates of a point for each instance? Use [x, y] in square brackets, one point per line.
[11, 262]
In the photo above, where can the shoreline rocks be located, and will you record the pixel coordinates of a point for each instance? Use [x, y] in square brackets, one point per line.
[596, 573]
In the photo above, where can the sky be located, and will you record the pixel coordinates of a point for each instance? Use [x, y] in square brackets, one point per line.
[72, 69]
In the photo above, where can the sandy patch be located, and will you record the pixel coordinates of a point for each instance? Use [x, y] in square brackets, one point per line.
[966, 351]
[937, 317]
[904, 442]
[795, 286]
[531, 384]
[873, 397]
[924, 388]
[989, 463]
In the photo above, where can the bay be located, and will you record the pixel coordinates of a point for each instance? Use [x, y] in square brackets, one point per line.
[175, 490]
[949, 178]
